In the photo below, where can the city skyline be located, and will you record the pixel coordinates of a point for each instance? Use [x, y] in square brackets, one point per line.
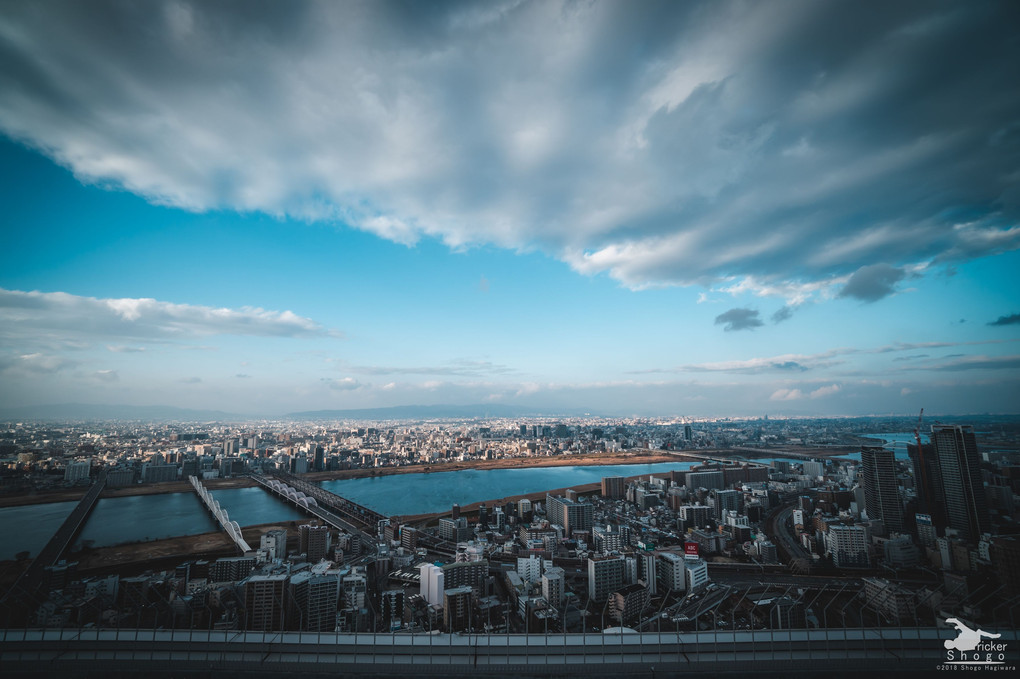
[712, 209]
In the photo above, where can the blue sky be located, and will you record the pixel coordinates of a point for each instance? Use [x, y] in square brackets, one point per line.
[698, 209]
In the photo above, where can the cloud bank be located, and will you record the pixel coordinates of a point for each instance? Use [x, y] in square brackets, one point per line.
[31, 315]
[782, 149]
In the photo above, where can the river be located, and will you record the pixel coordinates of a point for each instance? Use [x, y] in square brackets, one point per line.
[122, 520]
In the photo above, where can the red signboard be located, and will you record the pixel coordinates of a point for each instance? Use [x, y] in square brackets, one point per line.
[691, 548]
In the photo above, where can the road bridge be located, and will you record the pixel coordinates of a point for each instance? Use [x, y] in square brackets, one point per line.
[90, 652]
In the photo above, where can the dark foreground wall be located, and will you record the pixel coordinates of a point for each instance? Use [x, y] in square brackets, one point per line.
[183, 653]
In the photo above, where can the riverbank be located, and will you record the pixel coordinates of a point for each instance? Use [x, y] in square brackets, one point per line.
[75, 494]
[591, 460]
[615, 458]
[155, 555]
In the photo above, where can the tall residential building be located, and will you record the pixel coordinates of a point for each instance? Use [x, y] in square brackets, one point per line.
[275, 543]
[265, 602]
[314, 542]
[530, 568]
[313, 600]
[610, 538]
[881, 490]
[570, 514]
[671, 572]
[626, 603]
[554, 586]
[454, 530]
[457, 609]
[723, 501]
[695, 516]
[848, 546]
[432, 583]
[928, 482]
[966, 506]
[813, 468]
[604, 577]
[614, 487]
[709, 480]
[391, 605]
[76, 471]
[465, 574]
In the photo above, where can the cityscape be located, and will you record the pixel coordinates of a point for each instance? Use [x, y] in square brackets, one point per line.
[525, 338]
[765, 524]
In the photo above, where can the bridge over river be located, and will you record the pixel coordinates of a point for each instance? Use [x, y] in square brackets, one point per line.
[29, 588]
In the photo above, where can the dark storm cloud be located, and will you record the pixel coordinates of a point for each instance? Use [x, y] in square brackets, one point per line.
[782, 145]
[1012, 319]
[872, 283]
[739, 319]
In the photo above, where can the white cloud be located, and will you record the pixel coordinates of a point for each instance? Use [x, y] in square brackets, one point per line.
[41, 363]
[822, 392]
[786, 395]
[343, 384]
[720, 144]
[28, 315]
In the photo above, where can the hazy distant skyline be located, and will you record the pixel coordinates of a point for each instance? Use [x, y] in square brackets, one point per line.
[727, 209]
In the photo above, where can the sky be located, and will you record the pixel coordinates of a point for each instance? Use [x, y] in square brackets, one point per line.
[630, 208]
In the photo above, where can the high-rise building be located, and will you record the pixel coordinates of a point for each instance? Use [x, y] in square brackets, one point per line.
[723, 501]
[265, 602]
[530, 568]
[76, 471]
[465, 574]
[313, 600]
[695, 516]
[813, 468]
[959, 467]
[626, 603]
[881, 490]
[275, 543]
[671, 572]
[604, 577]
[391, 604]
[432, 583]
[848, 546]
[570, 514]
[610, 538]
[314, 542]
[457, 609]
[554, 586]
[709, 480]
[613, 487]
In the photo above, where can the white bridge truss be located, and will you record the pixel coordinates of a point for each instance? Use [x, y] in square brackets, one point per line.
[220, 514]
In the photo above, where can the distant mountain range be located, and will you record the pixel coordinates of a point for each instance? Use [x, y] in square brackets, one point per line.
[62, 412]
[85, 411]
